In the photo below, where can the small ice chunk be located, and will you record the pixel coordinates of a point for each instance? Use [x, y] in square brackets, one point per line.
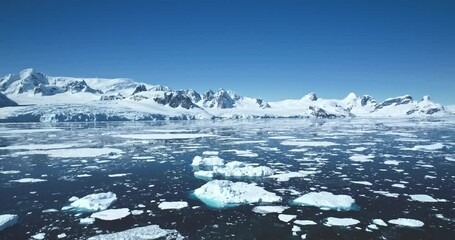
[203, 174]
[118, 175]
[28, 180]
[305, 222]
[86, 221]
[304, 143]
[392, 162]
[363, 183]
[296, 229]
[8, 220]
[425, 198]
[373, 226]
[111, 214]
[147, 232]
[247, 171]
[407, 222]
[326, 200]
[39, 236]
[10, 172]
[93, 202]
[172, 205]
[61, 235]
[269, 209]
[379, 222]
[224, 193]
[73, 198]
[213, 153]
[431, 147]
[207, 161]
[333, 221]
[361, 158]
[137, 212]
[284, 177]
[286, 217]
[398, 185]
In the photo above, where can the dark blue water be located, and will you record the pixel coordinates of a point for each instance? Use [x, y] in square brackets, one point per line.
[168, 176]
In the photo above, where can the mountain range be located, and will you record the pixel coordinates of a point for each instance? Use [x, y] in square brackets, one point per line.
[31, 96]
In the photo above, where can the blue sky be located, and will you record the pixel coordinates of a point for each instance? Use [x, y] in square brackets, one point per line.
[269, 49]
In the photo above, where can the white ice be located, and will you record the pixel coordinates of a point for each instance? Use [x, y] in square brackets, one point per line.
[164, 136]
[8, 220]
[111, 214]
[93, 202]
[326, 200]
[407, 222]
[207, 161]
[305, 222]
[147, 232]
[269, 209]
[172, 205]
[333, 221]
[29, 180]
[425, 198]
[224, 193]
[286, 217]
[284, 177]
[75, 152]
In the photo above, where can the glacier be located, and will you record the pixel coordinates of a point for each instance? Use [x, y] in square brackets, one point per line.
[32, 96]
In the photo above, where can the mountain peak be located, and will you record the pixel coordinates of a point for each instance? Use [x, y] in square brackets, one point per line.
[310, 97]
[351, 96]
[27, 72]
[426, 98]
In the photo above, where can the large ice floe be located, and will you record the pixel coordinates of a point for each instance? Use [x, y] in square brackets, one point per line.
[224, 193]
[8, 220]
[231, 169]
[425, 198]
[92, 202]
[207, 161]
[326, 200]
[407, 222]
[344, 222]
[111, 214]
[172, 205]
[147, 232]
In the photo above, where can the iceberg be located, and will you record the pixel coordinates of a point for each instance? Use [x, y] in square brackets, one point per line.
[326, 200]
[92, 202]
[147, 232]
[207, 161]
[8, 220]
[224, 193]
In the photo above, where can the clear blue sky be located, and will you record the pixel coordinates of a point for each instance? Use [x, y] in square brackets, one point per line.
[270, 49]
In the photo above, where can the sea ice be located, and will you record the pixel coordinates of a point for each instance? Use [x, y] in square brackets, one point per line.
[286, 217]
[333, 221]
[207, 161]
[379, 222]
[164, 136]
[304, 222]
[29, 180]
[392, 162]
[8, 220]
[425, 198]
[93, 202]
[361, 158]
[303, 143]
[172, 205]
[326, 200]
[224, 193]
[363, 183]
[147, 232]
[407, 222]
[284, 177]
[75, 152]
[269, 209]
[111, 214]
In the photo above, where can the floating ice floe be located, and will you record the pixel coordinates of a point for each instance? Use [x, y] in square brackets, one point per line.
[210, 153]
[305, 222]
[425, 198]
[86, 221]
[392, 162]
[172, 205]
[40, 146]
[8, 220]
[363, 183]
[28, 180]
[147, 232]
[286, 217]
[303, 143]
[284, 177]
[111, 214]
[118, 175]
[39, 236]
[333, 221]
[75, 152]
[406, 222]
[431, 147]
[387, 194]
[244, 153]
[207, 161]
[165, 136]
[269, 209]
[224, 193]
[361, 158]
[398, 185]
[92, 202]
[10, 172]
[326, 200]
[247, 171]
[379, 222]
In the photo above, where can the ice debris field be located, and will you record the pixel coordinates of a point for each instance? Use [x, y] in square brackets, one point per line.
[250, 179]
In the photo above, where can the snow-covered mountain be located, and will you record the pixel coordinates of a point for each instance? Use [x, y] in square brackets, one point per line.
[46, 98]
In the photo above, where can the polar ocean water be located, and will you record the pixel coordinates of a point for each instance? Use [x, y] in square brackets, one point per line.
[354, 178]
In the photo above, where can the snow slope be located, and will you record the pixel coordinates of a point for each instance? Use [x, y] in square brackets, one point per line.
[58, 99]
